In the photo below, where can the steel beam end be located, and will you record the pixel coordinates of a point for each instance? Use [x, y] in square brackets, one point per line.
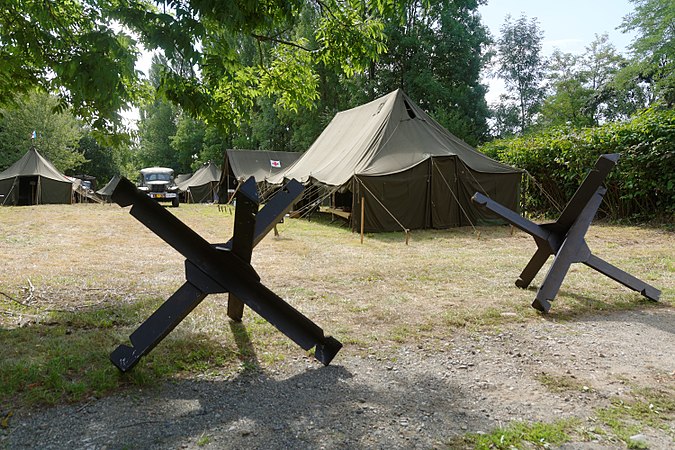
[613, 157]
[542, 305]
[479, 199]
[326, 350]
[124, 357]
[124, 192]
[522, 284]
[651, 293]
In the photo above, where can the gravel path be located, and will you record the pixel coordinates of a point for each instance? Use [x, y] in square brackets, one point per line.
[404, 397]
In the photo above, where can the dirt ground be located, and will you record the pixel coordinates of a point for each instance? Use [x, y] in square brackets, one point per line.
[420, 397]
[434, 350]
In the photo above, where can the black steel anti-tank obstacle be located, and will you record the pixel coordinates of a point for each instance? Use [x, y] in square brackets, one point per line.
[564, 239]
[219, 268]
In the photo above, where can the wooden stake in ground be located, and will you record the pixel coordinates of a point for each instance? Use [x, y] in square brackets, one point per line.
[363, 215]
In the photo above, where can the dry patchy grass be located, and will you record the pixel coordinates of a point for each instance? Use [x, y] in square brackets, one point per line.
[87, 275]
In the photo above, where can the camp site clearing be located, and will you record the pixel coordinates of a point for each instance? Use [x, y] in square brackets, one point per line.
[439, 344]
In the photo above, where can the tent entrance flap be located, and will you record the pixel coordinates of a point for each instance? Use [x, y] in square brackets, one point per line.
[401, 200]
[445, 210]
[28, 187]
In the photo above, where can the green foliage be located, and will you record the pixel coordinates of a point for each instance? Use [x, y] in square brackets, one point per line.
[102, 162]
[57, 133]
[586, 90]
[654, 48]
[214, 146]
[642, 186]
[87, 45]
[188, 143]
[65, 47]
[436, 50]
[522, 66]
[253, 49]
[155, 130]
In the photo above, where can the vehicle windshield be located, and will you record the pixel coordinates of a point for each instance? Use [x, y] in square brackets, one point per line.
[158, 176]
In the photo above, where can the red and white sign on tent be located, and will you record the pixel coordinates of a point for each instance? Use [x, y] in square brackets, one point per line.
[275, 164]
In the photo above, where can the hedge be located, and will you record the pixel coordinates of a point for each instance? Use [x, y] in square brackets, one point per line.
[641, 187]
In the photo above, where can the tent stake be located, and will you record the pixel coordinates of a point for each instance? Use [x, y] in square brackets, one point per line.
[363, 212]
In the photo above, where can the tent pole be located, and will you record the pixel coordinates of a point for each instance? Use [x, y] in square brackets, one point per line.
[363, 213]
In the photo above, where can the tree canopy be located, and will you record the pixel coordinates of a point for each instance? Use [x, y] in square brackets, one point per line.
[56, 134]
[521, 65]
[654, 48]
[436, 52]
[85, 51]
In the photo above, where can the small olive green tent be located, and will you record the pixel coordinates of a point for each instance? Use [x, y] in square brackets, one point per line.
[203, 185]
[33, 180]
[408, 171]
[106, 191]
[240, 165]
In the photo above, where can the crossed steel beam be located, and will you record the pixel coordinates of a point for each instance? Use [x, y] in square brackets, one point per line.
[564, 239]
[219, 268]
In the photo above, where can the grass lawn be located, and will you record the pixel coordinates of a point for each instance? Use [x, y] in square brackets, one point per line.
[76, 280]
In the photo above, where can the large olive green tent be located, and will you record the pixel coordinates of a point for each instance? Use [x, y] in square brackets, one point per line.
[33, 180]
[409, 171]
[202, 187]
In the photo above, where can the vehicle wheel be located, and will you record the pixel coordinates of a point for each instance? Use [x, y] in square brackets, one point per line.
[175, 202]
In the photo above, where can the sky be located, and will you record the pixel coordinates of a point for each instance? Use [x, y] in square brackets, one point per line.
[568, 25]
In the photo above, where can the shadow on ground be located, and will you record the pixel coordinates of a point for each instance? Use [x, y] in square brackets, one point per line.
[260, 410]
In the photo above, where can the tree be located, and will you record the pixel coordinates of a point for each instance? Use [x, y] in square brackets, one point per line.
[568, 103]
[588, 90]
[102, 162]
[215, 145]
[57, 134]
[65, 48]
[522, 66]
[156, 128]
[653, 49]
[188, 143]
[87, 44]
[210, 35]
[599, 67]
[505, 118]
[158, 124]
[436, 52]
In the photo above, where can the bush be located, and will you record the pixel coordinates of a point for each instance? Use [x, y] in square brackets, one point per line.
[641, 187]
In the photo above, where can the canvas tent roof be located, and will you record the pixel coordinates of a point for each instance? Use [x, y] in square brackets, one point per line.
[182, 177]
[33, 163]
[47, 184]
[207, 173]
[388, 135]
[108, 189]
[261, 164]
